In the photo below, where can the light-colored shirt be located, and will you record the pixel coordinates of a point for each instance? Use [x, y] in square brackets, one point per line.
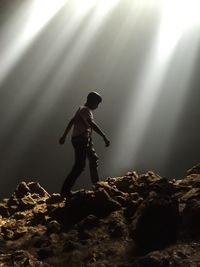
[81, 122]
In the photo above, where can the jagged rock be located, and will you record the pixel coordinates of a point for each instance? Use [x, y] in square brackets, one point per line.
[194, 170]
[155, 224]
[8, 234]
[124, 184]
[113, 224]
[22, 190]
[132, 182]
[161, 186]
[37, 189]
[178, 255]
[26, 196]
[44, 253]
[134, 196]
[192, 180]
[116, 229]
[54, 198]
[4, 212]
[103, 203]
[153, 259]
[38, 241]
[121, 200]
[84, 234]
[38, 218]
[53, 227]
[84, 203]
[111, 190]
[26, 203]
[33, 189]
[19, 232]
[13, 201]
[149, 177]
[191, 220]
[19, 216]
[133, 174]
[70, 246]
[131, 207]
[191, 194]
[41, 201]
[23, 258]
[89, 222]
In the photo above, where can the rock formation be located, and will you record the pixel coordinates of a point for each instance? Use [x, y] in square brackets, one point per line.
[138, 220]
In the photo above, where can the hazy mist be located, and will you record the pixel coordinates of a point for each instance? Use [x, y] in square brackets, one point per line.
[150, 109]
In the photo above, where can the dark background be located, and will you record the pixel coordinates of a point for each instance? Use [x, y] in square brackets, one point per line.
[56, 70]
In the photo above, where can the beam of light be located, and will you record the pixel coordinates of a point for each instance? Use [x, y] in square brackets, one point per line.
[178, 17]
[83, 7]
[36, 72]
[149, 83]
[104, 7]
[82, 46]
[34, 24]
[79, 50]
[125, 33]
[48, 96]
[41, 12]
[40, 69]
[133, 128]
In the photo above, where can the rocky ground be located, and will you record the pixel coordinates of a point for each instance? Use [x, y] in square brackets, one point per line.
[131, 221]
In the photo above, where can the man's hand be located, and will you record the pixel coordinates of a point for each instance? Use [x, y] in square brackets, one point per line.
[99, 131]
[62, 140]
[106, 140]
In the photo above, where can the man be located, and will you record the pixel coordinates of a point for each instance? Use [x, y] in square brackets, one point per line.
[83, 123]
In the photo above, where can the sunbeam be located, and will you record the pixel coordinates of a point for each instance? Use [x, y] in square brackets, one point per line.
[37, 16]
[178, 19]
[138, 54]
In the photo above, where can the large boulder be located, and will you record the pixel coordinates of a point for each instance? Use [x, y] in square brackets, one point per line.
[155, 224]
[124, 184]
[21, 258]
[26, 196]
[84, 203]
[4, 212]
[194, 170]
[191, 220]
[192, 180]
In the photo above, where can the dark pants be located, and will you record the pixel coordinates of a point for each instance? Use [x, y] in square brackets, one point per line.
[83, 148]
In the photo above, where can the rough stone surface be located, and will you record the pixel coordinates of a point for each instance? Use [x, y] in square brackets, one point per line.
[138, 220]
[155, 224]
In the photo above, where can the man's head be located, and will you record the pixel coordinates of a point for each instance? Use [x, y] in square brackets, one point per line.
[93, 100]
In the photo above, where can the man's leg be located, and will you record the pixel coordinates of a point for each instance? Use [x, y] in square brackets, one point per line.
[80, 150]
[93, 163]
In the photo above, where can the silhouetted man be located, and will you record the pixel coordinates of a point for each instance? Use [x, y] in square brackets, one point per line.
[83, 123]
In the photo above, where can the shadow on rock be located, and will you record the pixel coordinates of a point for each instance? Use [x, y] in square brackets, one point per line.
[84, 203]
[155, 224]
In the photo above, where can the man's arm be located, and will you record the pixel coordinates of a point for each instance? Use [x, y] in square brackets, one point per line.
[98, 130]
[68, 128]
